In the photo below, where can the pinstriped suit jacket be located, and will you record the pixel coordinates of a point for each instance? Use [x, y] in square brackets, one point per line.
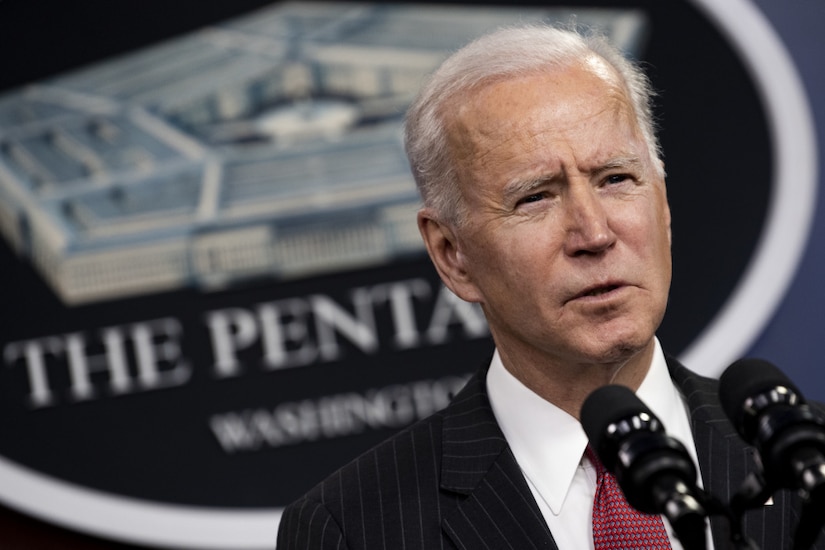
[451, 481]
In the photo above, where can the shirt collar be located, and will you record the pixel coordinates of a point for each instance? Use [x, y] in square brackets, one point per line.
[550, 461]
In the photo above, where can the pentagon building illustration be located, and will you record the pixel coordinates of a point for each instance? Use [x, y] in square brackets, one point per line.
[266, 146]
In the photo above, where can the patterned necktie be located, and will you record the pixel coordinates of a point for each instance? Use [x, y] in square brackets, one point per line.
[616, 524]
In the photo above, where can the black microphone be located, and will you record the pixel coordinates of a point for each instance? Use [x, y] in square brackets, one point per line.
[654, 470]
[769, 412]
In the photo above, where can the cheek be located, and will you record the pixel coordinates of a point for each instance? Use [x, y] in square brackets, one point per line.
[647, 233]
[659, 256]
[505, 261]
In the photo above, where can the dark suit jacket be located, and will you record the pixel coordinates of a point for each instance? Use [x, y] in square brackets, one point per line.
[451, 481]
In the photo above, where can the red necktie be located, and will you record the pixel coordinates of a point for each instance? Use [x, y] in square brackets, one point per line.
[616, 524]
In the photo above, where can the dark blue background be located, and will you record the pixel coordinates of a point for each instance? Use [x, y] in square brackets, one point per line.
[794, 339]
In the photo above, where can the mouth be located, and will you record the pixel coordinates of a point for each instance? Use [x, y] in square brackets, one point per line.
[597, 291]
[601, 290]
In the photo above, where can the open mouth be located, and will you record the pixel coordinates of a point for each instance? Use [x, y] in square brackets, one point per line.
[598, 291]
[601, 290]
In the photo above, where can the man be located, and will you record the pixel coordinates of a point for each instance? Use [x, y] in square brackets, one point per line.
[545, 203]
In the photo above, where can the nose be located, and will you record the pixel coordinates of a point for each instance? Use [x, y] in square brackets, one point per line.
[587, 229]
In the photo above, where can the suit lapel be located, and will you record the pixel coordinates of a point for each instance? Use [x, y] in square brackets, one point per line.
[723, 458]
[496, 508]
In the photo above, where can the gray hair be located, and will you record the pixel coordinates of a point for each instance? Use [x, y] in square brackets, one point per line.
[505, 53]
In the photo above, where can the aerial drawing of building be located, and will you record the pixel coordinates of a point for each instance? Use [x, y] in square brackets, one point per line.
[268, 145]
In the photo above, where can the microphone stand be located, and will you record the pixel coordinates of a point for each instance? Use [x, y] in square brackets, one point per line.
[715, 507]
[811, 472]
[810, 521]
[756, 489]
[684, 511]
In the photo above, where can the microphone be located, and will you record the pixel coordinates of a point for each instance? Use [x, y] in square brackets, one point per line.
[769, 412]
[654, 470]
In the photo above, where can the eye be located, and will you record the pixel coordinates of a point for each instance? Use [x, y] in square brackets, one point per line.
[535, 197]
[613, 179]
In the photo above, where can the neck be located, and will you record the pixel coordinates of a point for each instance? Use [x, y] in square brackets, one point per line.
[567, 384]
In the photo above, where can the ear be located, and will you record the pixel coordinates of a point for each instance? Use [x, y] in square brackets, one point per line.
[447, 255]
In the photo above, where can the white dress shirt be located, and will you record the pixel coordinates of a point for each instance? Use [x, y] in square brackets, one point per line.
[549, 446]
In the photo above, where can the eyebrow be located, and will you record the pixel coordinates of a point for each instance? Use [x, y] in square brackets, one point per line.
[620, 162]
[520, 188]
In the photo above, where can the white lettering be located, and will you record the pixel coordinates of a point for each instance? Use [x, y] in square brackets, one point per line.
[157, 353]
[230, 330]
[33, 352]
[286, 338]
[400, 297]
[287, 333]
[120, 381]
[151, 354]
[331, 318]
[332, 416]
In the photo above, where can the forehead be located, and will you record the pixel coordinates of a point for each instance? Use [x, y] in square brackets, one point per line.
[584, 106]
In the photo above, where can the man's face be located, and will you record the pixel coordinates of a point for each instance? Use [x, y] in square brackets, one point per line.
[567, 239]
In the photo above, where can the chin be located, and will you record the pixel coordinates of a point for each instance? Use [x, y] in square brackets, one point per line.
[620, 350]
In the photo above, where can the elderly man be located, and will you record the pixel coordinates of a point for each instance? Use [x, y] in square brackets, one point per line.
[545, 203]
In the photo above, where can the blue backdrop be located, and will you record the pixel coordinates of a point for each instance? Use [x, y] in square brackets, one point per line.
[794, 339]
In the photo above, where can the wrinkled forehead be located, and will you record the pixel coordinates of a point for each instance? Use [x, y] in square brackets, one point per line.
[588, 77]
[577, 97]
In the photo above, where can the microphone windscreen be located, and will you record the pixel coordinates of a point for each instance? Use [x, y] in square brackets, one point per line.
[608, 405]
[747, 378]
